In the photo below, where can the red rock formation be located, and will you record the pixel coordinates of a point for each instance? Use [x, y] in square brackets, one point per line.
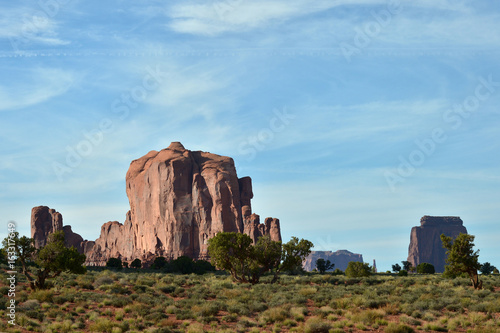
[45, 221]
[425, 241]
[179, 199]
[340, 258]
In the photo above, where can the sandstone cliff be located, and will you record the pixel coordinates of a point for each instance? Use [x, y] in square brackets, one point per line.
[340, 258]
[179, 199]
[45, 221]
[425, 241]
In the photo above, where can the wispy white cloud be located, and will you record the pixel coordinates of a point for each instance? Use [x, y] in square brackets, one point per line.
[240, 16]
[40, 85]
[24, 27]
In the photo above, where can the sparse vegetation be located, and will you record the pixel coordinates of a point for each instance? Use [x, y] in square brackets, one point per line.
[128, 300]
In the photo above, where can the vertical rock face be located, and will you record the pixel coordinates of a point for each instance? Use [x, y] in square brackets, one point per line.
[425, 241]
[179, 199]
[340, 258]
[45, 221]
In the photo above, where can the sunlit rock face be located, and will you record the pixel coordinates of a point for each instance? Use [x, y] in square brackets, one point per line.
[179, 199]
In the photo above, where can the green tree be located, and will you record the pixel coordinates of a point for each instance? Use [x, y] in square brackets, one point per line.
[232, 252]
[266, 257]
[159, 263]
[21, 249]
[323, 265]
[114, 263]
[3, 256]
[487, 268]
[137, 263]
[203, 266]
[293, 254]
[245, 262]
[403, 273]
[425, 268]
[357, 269]
[462, 258]
[55, 258]
[407, 266]
[183, 265]
[396, 268]
[46, 263]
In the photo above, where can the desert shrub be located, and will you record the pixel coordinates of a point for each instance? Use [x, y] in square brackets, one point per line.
[273, 315]
[403, 273]
[425, 268]
[316, 325]
[257, 306]
[435, 327]
[398, 328]
[167, 289]
[238, 309]
[307, 291]
[298, 313]
[368, 317]
[108, 326]
[137, 263]
[115, 263]
[410, 321]
[102, 280]
[42, 295]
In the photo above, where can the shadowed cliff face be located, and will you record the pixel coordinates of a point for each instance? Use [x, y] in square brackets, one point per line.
[425, 241]
[179, 199]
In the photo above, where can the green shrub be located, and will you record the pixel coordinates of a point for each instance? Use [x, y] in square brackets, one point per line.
[316, 325]
[42, 296]
[115, 263]
[102, 281]
[425, 268]
[357, 269]
[398, 328]
[403, 273]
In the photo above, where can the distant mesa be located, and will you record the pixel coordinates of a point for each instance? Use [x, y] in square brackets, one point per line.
[425, 241]
[179, 199]
[340, 258]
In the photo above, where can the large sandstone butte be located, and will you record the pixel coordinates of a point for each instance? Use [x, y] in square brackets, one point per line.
[425, 241]
[340, 258]
[179, 199]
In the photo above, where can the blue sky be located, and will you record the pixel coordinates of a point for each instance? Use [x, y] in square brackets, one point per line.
[354, 118]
